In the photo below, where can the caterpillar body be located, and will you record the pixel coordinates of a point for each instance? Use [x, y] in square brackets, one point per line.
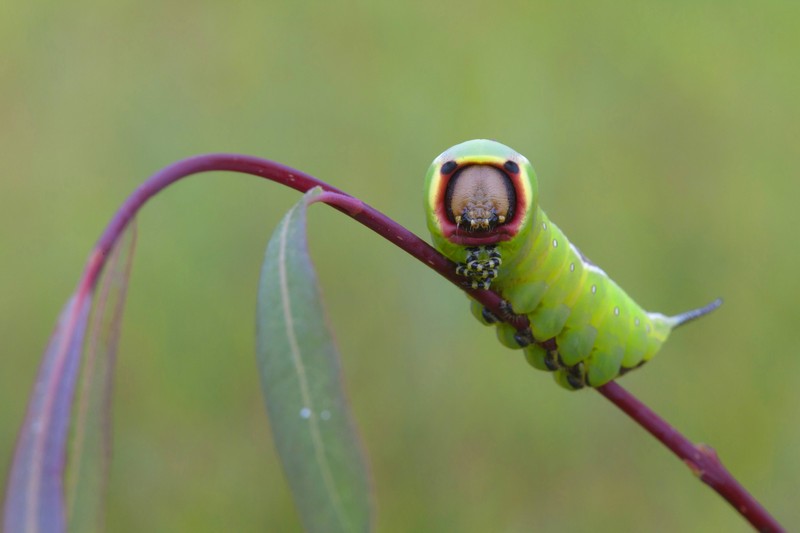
[483, 213]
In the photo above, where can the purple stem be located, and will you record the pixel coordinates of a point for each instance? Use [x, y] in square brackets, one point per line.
[701, 459]
[368, 216]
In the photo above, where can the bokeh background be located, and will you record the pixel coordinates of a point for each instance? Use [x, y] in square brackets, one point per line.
[665, 136]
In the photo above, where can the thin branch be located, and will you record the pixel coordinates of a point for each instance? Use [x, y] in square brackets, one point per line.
[701, 459]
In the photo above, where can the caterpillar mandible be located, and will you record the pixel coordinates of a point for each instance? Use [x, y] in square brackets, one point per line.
[483, 213]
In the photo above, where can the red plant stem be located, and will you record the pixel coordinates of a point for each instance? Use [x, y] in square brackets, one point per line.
[701, 459]
[368, 216]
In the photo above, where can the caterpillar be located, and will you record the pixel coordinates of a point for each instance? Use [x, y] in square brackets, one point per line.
[482, 210]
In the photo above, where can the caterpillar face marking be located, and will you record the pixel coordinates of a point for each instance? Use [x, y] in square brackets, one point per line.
[483, 213]
[479, 197]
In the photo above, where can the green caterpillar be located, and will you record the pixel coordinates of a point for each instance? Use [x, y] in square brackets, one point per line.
[483, 213]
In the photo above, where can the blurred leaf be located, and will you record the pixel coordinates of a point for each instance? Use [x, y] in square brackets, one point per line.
[90, 439]
[301, 377]
[35, 495]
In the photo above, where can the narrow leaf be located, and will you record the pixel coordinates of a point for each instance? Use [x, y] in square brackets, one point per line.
[301, 379]
[90, 438]
[34, 499]
[34, 495]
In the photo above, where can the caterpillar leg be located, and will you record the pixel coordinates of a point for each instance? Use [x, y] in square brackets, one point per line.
[551, 361]
[524, 338]
[480, 266]
[489, 317]
[576, 376]
[506, 314]
[570, 377]
[508, 335]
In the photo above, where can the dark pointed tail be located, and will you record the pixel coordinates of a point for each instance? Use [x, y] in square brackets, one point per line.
[688, 316]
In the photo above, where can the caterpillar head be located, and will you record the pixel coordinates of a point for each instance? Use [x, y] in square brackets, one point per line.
[479, 193]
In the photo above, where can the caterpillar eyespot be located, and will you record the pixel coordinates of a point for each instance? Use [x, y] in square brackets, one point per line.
[511, 166]
[449, 167]
[482, 209]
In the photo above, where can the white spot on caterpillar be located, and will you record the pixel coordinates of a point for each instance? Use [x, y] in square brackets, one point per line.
[594, 289]
[305, 412]
[572, 267]
[555, 243]
[636, 321]
[544, 225]
[616, 311]
[325, 415]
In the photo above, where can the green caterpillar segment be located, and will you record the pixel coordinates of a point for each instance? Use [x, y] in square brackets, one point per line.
[482, 211]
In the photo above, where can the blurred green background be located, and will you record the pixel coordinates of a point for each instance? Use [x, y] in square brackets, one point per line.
[665, 136]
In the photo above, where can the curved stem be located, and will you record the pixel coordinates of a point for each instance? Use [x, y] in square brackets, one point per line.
[700, 458]
[263, 168]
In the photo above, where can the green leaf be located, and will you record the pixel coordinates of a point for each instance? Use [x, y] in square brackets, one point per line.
[302, 383]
